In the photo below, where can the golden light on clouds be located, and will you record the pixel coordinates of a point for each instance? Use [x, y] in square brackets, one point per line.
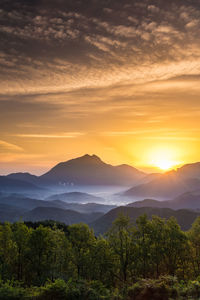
[122, 84]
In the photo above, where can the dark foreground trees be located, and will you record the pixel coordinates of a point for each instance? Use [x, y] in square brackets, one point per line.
[52, 261]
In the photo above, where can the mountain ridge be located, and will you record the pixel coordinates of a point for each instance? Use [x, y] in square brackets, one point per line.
[91, 170]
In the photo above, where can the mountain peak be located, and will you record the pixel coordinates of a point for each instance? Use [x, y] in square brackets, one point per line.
[87, 158]
[93, 156]
[91, 170]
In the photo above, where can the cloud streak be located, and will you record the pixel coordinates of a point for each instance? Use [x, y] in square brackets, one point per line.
[51, 136]
[9, 147]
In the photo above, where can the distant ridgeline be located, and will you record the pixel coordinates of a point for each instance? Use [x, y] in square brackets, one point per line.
[153, 259]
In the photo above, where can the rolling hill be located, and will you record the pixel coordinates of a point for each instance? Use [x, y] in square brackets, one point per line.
[84, 208]
[184, 217]
[187, 201]
[27, 177]
[75, 197]
[10, 185]
[167, 186]
[10, 213]
[189, 171]
[61, 215]
[27, 203]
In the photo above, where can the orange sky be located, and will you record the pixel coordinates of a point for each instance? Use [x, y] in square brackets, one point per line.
[123, 84]
[156, 119]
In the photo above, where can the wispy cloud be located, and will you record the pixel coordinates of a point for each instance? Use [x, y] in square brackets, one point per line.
[9, 147]
[51, 136]
[139, 43]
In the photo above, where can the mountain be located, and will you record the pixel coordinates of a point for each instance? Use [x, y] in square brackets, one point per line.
[11, 185]
[27, 177]
[150, 177]
[187, 201]
[166, 186]
[184, 217]
[84, 208]
[57, 214]
[10, 213]
[14, 207]
[91, 170]
[189, 171]
[75, 197]
[149, 203]
[27, 203]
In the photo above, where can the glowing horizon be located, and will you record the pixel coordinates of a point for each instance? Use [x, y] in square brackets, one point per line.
[118, 79]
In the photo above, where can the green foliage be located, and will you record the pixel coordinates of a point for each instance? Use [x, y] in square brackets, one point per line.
[54, 290]
[12, 291]
[154, 259]
[83, 290]
[163, 288]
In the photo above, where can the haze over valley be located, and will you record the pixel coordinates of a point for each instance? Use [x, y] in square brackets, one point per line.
[86, 189]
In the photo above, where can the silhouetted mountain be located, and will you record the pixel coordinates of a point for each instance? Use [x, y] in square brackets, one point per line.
[149, 203]
[184, 217]
[15, 186]
[187, 201]
[75, 197]
[10, 213]
[91, 170]
[57, 214]
[84, 208]
[27, 177]
[26, 203]
[189, 171]
[166, 186]
[150, 177]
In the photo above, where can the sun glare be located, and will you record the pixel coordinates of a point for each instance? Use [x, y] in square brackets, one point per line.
[164, 159]
[165, 164]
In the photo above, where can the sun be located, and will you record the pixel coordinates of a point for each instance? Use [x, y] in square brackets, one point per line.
[163, 158]
[165, 164]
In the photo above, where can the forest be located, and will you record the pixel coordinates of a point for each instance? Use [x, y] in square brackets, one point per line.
[151, 259]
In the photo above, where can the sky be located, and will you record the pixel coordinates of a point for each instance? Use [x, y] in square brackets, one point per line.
[119, 79]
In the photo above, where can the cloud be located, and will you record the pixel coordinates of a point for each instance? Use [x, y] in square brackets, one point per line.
[153, 8]
[65, 47]
[5, 146]
[80, 67]
[51, 136]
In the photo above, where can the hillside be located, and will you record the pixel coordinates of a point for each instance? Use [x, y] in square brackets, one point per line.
[61, 215]
[187, 201]
[167, 186]
[84, 208]
[10, 185]
[26, 203]
[189, 171]
[10, 213]
[75, 197]
[27, 177]
[185, 218]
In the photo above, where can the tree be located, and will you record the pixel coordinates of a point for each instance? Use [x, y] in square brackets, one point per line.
[194, 237]
[174, 246]
[7, 252]
[83, 240]
[21, 235]
[120, 240]
[103, 262]
[40, 250]
[157, 238]
[143, 234]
